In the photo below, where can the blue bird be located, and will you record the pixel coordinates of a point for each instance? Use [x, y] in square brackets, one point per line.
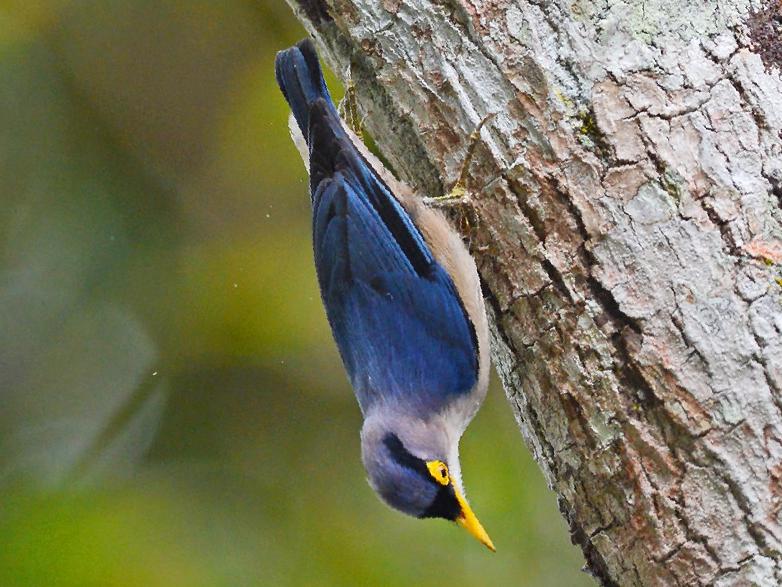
[403, 299]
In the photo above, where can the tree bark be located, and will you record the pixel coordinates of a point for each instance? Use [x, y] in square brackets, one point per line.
[624, 211]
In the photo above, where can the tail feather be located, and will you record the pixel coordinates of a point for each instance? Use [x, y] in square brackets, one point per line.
[301, 80]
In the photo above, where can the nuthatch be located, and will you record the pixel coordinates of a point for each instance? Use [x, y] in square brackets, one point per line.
[403, 299]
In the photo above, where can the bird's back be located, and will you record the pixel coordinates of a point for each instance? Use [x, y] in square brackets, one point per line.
[399, 322]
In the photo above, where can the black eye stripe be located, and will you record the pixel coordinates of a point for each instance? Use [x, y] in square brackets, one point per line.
[402, 456]
[445, 505]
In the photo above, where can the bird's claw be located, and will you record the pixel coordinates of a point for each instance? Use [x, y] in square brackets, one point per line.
[458, 194]
[348, 108]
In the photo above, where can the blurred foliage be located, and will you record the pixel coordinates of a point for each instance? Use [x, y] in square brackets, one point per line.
[174, 411]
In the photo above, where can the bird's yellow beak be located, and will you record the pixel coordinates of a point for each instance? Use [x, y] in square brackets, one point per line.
[469, 522]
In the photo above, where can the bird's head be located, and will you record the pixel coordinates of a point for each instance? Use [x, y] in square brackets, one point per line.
[415, 471]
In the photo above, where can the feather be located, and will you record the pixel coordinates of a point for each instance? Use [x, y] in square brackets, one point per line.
[394, 311]
[400, 325]
[301, 80]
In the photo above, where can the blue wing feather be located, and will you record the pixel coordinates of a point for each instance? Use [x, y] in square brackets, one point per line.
[396, 316]
[395, 313]
[400, 334]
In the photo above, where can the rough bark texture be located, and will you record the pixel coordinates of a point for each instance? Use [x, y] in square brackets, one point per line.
[624, 212]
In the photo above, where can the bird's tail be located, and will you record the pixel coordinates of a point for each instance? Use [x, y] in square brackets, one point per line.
[301, 81]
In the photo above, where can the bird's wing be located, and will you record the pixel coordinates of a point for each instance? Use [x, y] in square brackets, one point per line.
[400, 326]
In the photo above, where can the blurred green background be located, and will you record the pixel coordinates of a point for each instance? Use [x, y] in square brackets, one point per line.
[173, 408]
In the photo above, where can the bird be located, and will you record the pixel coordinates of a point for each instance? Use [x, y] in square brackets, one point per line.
[403, 299]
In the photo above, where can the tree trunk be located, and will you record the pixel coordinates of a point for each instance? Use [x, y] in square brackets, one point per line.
[624, 212]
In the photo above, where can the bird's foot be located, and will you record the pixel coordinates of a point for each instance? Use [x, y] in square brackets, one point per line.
[456, 197]
[458, 194]
[348, 109]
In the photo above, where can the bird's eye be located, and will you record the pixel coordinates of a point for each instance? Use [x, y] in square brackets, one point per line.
[439, 472]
